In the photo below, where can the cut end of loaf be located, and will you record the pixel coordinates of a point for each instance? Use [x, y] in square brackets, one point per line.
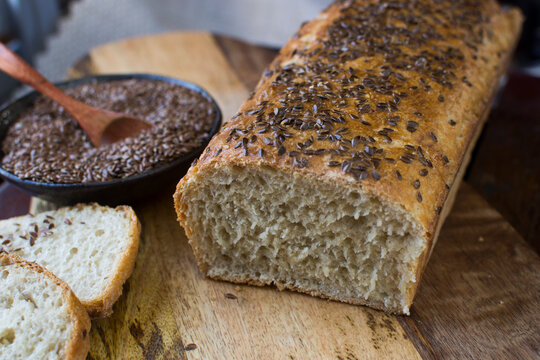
[267, 227]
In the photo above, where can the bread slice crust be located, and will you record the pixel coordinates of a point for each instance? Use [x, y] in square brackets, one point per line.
[101, 305]
[79, 342]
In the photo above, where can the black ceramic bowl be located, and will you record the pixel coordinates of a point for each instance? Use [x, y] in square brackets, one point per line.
[124, 190]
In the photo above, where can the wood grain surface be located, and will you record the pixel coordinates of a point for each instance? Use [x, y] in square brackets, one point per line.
[480, 296]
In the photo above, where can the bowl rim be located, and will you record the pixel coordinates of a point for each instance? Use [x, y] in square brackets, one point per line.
[216, 125]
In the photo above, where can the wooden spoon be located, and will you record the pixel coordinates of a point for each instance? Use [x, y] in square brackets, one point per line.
[101, 126]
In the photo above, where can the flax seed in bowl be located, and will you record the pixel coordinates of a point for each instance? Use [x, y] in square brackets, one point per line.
[45, 152]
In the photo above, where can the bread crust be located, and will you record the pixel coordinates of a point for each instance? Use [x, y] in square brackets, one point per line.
[102, 306]
[79, 343]
[456, 120]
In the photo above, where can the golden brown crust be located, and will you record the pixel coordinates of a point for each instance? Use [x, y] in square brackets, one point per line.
[419, 80]
[513, 21]
[102, 307]
[80, 335]
[79, 343]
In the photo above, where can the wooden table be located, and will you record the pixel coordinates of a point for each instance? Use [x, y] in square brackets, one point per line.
[479, 298]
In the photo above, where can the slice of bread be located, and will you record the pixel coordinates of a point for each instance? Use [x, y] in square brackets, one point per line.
[91, 247]
[40, 317]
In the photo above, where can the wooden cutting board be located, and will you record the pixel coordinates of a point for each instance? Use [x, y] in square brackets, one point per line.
[479, 298]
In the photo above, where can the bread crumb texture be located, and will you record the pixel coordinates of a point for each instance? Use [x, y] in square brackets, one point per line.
[34, 315]
[84, 245]
[259, 225]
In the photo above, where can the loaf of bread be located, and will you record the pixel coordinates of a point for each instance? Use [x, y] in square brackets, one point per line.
[337, 173]
[40, 317]
[90, 247]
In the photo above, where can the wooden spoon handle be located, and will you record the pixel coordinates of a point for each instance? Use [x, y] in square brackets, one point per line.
[13, 65]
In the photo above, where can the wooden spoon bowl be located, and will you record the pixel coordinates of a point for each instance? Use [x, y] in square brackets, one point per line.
[102, 126]
[121, 191]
